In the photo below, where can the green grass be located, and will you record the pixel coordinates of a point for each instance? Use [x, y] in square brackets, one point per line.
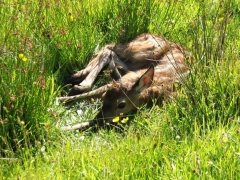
[195, 136]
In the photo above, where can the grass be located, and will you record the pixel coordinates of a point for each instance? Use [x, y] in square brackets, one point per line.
[196, 136]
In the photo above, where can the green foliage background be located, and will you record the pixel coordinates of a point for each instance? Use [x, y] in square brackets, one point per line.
[195, 136]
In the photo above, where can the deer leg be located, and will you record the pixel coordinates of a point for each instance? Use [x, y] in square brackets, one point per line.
[112, 67]
[82, 74]
[89, 124]
[78, 77]
[106, 57]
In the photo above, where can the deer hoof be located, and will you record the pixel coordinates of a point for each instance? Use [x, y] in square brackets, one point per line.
[75, 90]
[68, 80]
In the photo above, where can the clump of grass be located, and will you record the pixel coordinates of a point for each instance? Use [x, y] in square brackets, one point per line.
[42, 43]
[210, 97]
[23, 107]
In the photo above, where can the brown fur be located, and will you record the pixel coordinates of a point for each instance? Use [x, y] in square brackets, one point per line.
[150, 66]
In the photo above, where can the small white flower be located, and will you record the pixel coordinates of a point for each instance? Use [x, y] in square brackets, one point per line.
[79, 112]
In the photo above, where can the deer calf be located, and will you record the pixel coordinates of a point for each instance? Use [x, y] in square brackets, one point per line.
[143, 70]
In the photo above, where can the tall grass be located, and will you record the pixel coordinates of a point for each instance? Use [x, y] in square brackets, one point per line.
[55, 38]
[211, 96]
[194, 136]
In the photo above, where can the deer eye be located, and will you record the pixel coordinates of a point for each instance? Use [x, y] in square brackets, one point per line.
[121, 105]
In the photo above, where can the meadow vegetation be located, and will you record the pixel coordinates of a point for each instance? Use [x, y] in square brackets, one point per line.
[194, 136]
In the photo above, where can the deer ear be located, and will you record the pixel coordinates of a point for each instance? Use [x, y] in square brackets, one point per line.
[145, 80]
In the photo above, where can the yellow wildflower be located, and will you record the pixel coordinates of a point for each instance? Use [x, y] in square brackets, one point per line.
[71, 18]
[225, 140]
[220, 19]
[20, 56]
[116, 119]
[24, 59]
[124, 120]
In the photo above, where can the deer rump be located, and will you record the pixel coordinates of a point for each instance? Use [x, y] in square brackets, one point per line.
[143, 70]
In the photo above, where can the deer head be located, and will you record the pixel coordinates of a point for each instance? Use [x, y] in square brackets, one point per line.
[124, 97]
